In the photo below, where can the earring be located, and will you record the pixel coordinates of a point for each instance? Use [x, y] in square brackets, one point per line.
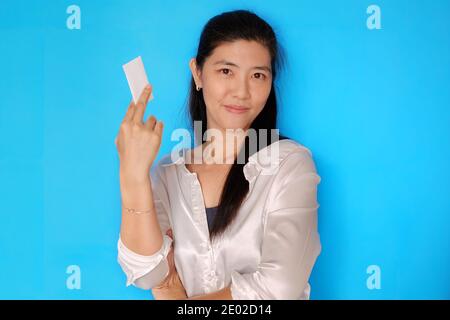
[198, 88]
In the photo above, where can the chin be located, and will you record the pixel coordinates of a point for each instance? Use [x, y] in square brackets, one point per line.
[233, 124]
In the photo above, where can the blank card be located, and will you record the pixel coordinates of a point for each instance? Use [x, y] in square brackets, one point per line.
[136, 77]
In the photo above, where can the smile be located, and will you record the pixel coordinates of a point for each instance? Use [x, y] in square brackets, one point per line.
[236, 109]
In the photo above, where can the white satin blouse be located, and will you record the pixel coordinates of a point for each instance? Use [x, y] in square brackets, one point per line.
[268, 251]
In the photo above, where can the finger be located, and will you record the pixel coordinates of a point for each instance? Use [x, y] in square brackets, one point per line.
[130, 112]
[169, 233]
[150, 123]
[142, 104]
[159, 128]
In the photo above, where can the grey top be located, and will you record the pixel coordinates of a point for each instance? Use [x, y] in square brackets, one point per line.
[210, 215]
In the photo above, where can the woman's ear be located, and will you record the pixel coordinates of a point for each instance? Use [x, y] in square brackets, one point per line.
[196, 73]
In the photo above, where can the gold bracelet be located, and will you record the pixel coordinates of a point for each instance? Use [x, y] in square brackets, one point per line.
[131, 210]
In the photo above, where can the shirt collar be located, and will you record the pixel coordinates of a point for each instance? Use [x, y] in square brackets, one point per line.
[260, 162]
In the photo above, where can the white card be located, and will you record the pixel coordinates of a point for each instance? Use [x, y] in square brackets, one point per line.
[136, 77]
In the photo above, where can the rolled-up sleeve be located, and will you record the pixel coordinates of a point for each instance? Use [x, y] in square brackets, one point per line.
[142, 271]
[291, 242]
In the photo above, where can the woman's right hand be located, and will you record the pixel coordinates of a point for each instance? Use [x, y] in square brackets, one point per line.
[137, 142]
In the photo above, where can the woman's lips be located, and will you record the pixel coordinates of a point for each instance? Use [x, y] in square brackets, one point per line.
[236, 109]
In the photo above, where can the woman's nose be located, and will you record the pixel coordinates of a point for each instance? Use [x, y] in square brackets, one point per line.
[242, 90]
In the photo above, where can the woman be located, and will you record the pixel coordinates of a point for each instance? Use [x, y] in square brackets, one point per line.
[221, 229]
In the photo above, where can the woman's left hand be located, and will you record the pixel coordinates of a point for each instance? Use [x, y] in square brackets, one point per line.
[171, 288]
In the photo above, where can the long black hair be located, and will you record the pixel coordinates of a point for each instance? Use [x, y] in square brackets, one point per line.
[229, 27]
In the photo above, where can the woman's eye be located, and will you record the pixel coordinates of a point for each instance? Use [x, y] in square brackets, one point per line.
[259, 75]
[225, 71]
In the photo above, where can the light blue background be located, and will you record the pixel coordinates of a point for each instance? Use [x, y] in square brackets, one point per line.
[372, 106]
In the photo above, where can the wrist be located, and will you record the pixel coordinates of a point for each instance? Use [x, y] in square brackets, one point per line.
[136, 194]
[132, 179]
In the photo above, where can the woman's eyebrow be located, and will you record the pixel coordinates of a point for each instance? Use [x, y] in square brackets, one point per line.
[229, 63]
[263, 68]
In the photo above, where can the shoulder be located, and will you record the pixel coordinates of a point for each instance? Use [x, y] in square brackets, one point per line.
[165, 160]
[158, 168]
[289, 147]
[295, 181]
[294, 155]
[283, 155]
[168, 160]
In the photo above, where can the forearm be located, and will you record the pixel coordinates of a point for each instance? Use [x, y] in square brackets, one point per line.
[140, 233]
[224, 294]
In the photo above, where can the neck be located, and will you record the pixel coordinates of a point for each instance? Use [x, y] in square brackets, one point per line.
[223, 147]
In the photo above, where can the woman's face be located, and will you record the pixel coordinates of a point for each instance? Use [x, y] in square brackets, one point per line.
[237, 74]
